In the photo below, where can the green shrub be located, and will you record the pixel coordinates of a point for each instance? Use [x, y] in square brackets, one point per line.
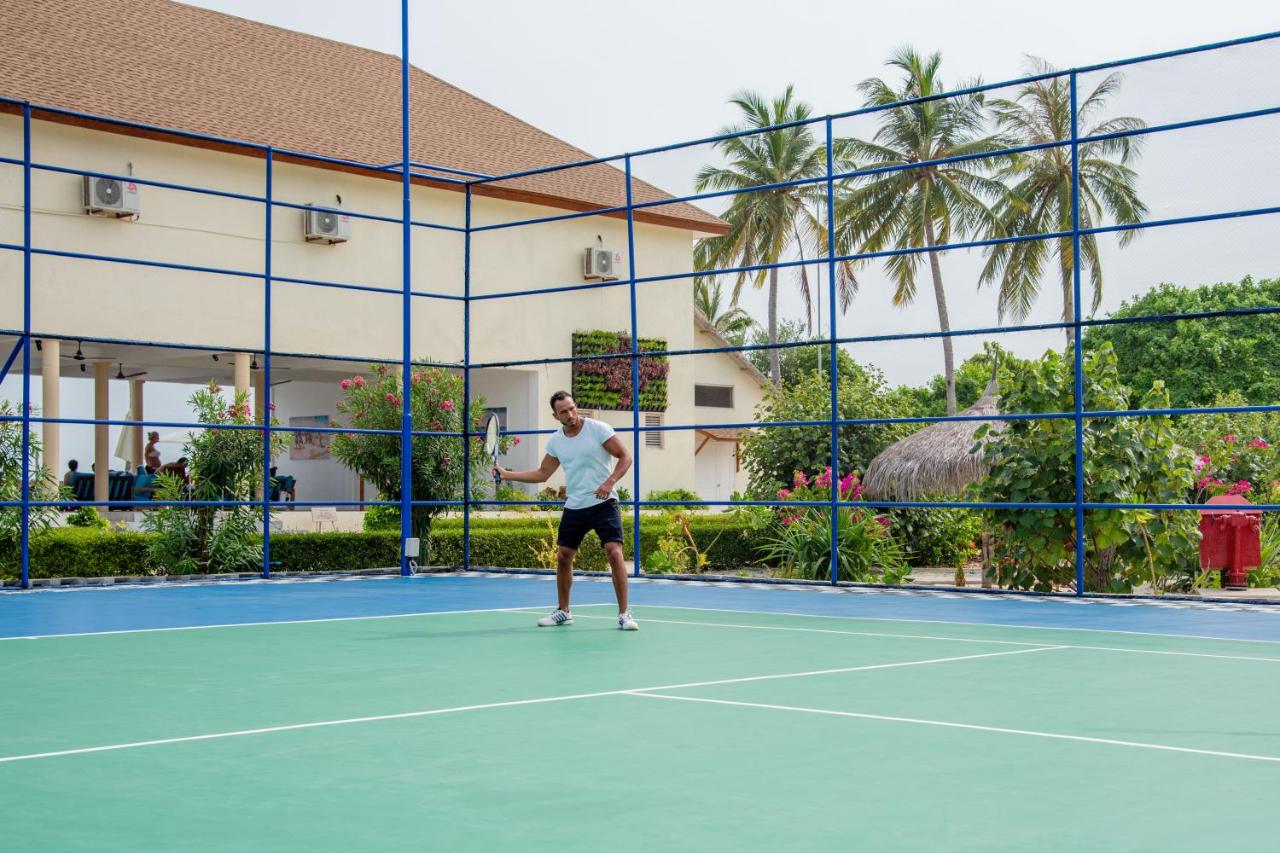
[505, 542]
[381, 518]
[86, 516]
[937, 536]
[334, 552]
[82, 552]
[675, 495]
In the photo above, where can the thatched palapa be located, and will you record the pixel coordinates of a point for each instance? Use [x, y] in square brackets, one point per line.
[936, 461]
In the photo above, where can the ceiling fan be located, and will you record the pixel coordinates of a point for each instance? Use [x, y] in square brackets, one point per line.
[120, 374]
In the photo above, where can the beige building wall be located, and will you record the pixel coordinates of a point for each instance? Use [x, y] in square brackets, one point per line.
[73, 297]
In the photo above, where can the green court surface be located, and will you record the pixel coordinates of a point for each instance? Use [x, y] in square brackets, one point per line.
[704, 731]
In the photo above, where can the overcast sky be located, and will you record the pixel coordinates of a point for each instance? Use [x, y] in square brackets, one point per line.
[614, 77]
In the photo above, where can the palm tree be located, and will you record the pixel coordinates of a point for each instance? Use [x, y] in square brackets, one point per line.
[1041, 180]
[733, 324]
[765, 224]
[925, 206]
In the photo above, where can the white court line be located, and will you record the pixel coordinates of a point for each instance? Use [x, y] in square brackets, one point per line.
[955, 622]
[946, 639]
[260, 624]
[969, 726]
[437, 711]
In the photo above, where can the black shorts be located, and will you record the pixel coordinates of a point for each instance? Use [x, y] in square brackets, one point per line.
[604, 518]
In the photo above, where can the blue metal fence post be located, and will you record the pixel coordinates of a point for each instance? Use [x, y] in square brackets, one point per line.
[831, 373]
[1079, 356]
[25, 579]
[466, 383]
[635, 378]
[266, 370]
[406, 367]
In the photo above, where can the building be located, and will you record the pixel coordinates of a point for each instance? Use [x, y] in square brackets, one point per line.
[201, 72]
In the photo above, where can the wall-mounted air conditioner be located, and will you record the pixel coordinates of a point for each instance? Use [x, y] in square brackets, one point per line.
[111, 197]
[599, 264]
[326, 226]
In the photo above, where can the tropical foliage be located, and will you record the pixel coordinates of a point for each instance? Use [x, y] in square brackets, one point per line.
[1127, 461]
[907, 206]
[764, 225]
[1041, 191]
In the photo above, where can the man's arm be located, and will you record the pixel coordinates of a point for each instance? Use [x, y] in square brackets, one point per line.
[538, 475]
[617, 451]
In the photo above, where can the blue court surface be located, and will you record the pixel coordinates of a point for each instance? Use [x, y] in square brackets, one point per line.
[130, 608]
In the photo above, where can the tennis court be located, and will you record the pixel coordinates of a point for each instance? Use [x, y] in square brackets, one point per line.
[430, 713]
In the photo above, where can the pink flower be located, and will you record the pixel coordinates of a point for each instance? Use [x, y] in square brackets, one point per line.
[358, 381]
[415, 378]
[883, 521]
[1229, 438]
[1206, 481]
[272, 406]
[1241, 488]
[1200, 463]
[516, 440]
[344, 384]
[824, 479]
[783, 494]
[391, 398]
[800, 480]
[1259, 443]
[447, 405]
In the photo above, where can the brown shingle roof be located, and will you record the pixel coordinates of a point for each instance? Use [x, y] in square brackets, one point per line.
[163, 63]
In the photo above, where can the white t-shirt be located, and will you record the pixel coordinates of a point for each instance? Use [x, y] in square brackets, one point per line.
[585, 461]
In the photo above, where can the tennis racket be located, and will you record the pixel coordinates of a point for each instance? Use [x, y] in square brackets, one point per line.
[491, 429]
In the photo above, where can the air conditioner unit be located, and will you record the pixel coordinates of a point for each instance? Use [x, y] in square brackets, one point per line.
[110, 197]
[599, 264]
[326, 226]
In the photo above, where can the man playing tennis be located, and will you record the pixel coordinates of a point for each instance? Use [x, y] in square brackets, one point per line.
[586, 448]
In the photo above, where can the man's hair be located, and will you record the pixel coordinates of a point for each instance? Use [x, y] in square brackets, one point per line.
[73, 464]
[558, 396]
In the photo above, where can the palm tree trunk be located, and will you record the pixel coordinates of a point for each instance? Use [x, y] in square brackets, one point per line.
[944, 320]
[775, 360]
[1066, 262]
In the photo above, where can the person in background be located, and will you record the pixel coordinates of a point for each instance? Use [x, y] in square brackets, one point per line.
[151, 456]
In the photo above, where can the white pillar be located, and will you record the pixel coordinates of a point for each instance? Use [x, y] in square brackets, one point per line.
[51, 406]
[242, 372]
[101, 432]
[139, 433]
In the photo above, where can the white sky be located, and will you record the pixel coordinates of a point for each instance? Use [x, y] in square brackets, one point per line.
[614, 77]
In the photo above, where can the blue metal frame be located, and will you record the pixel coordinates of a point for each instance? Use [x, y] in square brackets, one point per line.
[471, 182]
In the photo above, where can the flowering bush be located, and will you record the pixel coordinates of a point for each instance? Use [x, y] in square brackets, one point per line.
[436, 405]
[865, 550]
[225, 465]
[1233, 466]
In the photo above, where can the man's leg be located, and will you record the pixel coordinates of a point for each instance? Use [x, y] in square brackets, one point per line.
[613, 550]
[564, 575]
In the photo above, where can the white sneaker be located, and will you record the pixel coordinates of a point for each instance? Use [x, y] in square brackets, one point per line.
[556, 618]
[627, 622]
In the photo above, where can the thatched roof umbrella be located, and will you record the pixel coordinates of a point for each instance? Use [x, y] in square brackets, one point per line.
[937, 460]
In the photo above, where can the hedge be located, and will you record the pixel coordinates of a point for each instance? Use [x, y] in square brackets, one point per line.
[505, 542]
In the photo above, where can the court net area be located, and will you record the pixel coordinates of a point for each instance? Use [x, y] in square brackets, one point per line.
[431, 713]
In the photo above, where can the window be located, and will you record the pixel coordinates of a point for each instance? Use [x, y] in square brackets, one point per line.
[653, 439]
[713, 396]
